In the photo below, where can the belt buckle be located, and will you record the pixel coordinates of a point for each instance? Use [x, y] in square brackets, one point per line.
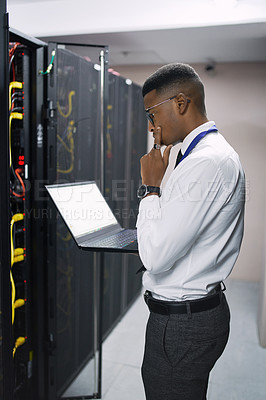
[155, 306]
[146, 296]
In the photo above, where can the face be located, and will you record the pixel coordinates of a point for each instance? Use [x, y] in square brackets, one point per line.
[163, 111]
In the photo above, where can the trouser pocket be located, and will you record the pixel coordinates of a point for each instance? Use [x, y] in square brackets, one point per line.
[176, 345]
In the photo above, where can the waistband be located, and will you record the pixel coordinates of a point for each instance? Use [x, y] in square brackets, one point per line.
[184, 307]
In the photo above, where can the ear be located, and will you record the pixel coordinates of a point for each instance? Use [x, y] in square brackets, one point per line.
[182, 103]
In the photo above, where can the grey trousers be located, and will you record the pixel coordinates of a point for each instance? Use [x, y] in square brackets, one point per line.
[181, 350]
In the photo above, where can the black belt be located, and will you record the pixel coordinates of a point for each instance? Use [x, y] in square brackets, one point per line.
[183, 307]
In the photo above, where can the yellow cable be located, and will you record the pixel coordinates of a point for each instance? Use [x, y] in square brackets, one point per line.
[109, 145]
[18, 258]
[13, 296]
[69, 149]
[64, 238]
[19, 303]
[18, 251]
[11, 239]
[16, 217]
[72, 93]
[19, 342]
[13, 85]
[64, 144]
[13, 115]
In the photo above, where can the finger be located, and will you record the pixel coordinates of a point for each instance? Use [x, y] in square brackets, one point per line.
[143, 158]
[158, 135]
[166, 154]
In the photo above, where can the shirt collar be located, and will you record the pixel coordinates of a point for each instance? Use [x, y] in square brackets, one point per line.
[188, 139]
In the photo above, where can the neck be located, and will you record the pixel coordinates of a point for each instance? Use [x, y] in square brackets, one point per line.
[194, 123]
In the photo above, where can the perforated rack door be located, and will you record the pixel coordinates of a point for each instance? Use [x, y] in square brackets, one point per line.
[76, 99]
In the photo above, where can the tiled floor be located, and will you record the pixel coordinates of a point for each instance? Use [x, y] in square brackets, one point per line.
[240, 374]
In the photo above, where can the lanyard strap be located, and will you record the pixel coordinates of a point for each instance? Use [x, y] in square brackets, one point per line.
[196, 140]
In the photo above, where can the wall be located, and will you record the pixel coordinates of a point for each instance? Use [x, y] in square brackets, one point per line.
[262, 300]
[236, 100]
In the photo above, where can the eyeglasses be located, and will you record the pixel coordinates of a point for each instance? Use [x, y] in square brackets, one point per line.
[151, 116]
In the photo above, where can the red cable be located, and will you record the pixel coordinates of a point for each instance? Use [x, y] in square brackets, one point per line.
[17, 172]
[12, 50]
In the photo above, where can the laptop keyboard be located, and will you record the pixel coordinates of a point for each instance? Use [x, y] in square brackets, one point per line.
[119, 240]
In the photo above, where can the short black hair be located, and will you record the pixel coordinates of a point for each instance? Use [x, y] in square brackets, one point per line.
[168, 75]
[177, 74]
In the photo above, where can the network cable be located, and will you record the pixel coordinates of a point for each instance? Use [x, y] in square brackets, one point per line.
[13, 85]
[19, 342]
[17, 173]
[18, 72]
[70, 95]
[16, 217]
[13, 115]
[69, 149]
[50, 66]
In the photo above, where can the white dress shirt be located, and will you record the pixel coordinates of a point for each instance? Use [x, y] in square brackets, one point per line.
[190, 237]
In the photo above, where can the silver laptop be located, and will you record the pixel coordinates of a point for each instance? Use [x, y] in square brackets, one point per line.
[89, 218]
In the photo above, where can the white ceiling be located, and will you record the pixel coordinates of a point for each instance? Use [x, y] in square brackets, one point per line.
[245, 42]
[154, 32]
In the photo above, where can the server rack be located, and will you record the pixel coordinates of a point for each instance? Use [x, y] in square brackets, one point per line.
[138, 142]
[19, 116]
[54, 142]
[126, 142]
[115, 184]
[73, 139]
[26, 206]
[6, 342]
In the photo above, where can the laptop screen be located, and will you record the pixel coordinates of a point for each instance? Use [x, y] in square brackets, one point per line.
[83, 207]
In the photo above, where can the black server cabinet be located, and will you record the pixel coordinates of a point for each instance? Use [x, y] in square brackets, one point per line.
[58, 140]
[137, 147]
[6, 341]
[115, 161]
[73, 142]
[126, 142]
[26, 175]
[21, 166]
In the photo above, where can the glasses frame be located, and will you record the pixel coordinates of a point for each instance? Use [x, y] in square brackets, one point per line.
[151, 116]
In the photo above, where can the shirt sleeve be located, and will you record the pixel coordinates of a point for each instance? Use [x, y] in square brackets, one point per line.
[168, 227]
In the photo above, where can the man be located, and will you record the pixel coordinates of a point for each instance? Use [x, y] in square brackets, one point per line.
[189, 236]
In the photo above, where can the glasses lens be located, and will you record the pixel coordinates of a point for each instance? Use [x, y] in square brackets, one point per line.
[149, 116]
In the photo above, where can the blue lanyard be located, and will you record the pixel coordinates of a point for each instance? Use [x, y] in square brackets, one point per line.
[196, 140]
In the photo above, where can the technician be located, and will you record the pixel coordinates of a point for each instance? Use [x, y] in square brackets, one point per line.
[189, 236]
